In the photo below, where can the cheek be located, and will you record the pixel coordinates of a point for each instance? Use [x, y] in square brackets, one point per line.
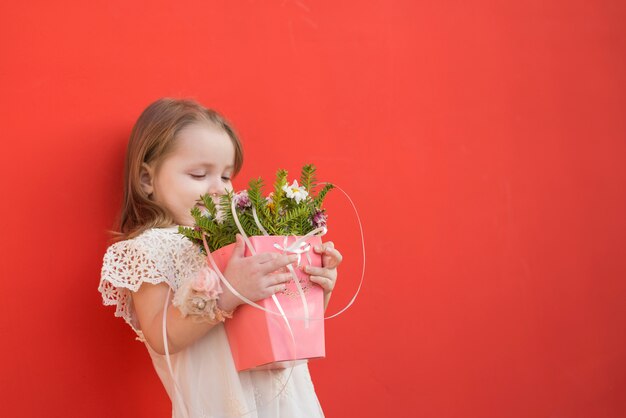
[184, 191]
[193, 190]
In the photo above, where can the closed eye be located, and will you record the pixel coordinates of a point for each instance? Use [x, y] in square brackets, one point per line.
[198, 176]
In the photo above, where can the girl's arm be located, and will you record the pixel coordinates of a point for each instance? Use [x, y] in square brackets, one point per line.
[253, 277]
[149, 301]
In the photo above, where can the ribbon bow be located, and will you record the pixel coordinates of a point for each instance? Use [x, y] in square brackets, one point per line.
[298, 248]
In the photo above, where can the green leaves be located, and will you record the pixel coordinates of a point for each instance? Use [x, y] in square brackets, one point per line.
[281, 181]
[255, 192]
[322, 194]
[209, 204]
[293, 214]
[279, 214]
[307, 177]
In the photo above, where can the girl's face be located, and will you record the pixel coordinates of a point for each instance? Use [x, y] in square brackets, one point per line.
[201, 162]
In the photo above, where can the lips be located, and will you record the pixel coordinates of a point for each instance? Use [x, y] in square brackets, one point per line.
[203, 209]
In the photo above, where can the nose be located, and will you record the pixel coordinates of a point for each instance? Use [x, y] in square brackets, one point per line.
[217, 187]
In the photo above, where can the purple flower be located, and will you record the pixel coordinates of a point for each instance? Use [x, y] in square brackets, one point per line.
[319, 218]
[242, 200]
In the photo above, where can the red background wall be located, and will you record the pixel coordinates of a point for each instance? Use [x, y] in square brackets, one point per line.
[483, 143]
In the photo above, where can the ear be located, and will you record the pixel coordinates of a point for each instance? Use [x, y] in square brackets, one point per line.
[146, 176]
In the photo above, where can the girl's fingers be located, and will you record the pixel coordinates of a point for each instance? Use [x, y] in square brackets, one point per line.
[276, 289]
[240, 247]
[317, 271]
[325, 282]
[264, 257]
[277, 263]
[280, 278]
[333, 258]
[322, 248]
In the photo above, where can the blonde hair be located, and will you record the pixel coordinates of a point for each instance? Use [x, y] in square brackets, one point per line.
[151, 140]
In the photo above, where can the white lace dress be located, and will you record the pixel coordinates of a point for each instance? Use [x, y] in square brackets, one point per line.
[208, 383]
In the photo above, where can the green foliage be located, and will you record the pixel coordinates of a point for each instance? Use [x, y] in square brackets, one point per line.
[322, 194]
[255, 192]
[307, 177]
[209, 204]
[278, 214]
[293, 214]
[279, 193]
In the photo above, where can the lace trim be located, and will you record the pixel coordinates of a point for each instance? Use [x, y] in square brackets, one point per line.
[156, 256]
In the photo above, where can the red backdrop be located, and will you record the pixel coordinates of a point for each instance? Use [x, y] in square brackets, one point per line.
[483, 143]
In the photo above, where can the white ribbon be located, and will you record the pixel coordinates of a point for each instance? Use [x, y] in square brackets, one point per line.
[298, 249]
[257, 222]
[178, 397]
[302, 248]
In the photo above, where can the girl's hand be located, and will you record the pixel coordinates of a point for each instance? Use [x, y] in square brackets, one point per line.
[255, 277]
[325, 276]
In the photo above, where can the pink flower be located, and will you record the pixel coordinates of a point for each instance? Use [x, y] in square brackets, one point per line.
[242, 200]
[207, 282]
[319, 218]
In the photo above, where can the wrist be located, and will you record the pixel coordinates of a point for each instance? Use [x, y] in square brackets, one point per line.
[199, 297]
[228, 301]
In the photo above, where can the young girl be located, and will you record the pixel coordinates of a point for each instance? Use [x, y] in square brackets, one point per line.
[179, 150]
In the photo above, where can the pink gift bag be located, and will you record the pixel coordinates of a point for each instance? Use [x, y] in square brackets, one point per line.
[261, 340]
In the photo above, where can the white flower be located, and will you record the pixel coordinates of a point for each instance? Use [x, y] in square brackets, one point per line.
[296, 192]
[219, 215]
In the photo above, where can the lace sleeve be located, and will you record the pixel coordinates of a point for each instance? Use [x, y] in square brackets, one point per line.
[158, 255]
[125, 267]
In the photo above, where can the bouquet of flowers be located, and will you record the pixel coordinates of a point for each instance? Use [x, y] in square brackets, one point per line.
[290, 209]
[291, 212]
